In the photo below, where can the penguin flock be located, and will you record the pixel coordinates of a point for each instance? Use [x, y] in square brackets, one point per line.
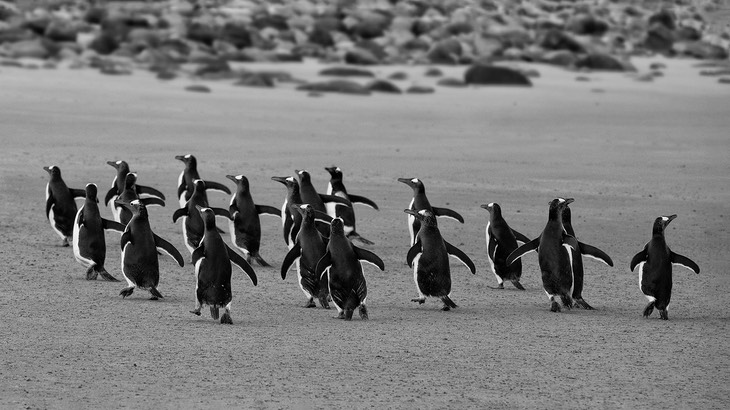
[319, 231]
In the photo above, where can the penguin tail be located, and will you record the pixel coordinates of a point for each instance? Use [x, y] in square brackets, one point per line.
[649, 309]
[104, 274]
[260, 260]
[448, 303]
[363, 312]
[517, 284]
[583, 304]
[226, 318]
[348, 313]
[356, 236]
[215, 313]
[156, 293]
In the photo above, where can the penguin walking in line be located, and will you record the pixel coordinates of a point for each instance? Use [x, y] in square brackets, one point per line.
[501, 241]
[309, 248]
[319, 202]
[429, 257]
[193, 226]
[130, 194]
[61, 204]
[89, 243]
[419, 202]
[212, 260]
[186, 180]
[118, 185]
[140, 246]
[244, 222]
[577, 259]
[337, 187]
[655, 268]
[291, 219]
[345, 278]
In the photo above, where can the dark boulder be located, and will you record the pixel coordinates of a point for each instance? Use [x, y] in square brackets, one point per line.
[335, 86]
[495, 75]
[346, 72]
[384, 86]
[604, 62]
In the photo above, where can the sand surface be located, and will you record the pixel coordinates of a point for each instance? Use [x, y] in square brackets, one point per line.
[627, 151]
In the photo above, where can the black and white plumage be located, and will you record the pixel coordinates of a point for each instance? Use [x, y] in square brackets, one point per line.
[655, 263]
[118, 186]
[61, 204]
[501, 241]
[420, 202]
[186, 180]
[129, 194]
[212, 259]
[319, 202]
[429, 257]
[193, 226]
[89, 242]
[291, 219]
[337, 188]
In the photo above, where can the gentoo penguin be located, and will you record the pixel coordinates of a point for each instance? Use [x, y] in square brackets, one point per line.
[185, 182]
[244, 224]
[193, 226]
[429, 257]
[140, 246]
[60, 204]
[318, 201]
[118, 185]
[308, 249]
[129, 194]
[501, 241]
[291, 220]
[419, 202]
[337, 188]
[655, 268]
[212, 260]
[577, 258]
[345, 278]
[89, 243]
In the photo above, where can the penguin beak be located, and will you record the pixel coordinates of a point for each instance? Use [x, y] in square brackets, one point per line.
[330, 169]
[279, 179]
[406, 181]
[411, 212]
[112, 163]
[47, 169]
[232, 178]
[569, 201]
[670, 218]
[180, 157]
[485, 206]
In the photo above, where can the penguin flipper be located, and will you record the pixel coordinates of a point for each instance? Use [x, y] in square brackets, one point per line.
[357, 199]
[461, 256]
[289, 259]
[268, 210]
[447, 213]
[595, 253]
[337, 200]
[198, 253]
[221, 212]
[367, 256]
[179, 213]
[684, 261]
[238, 260]
[152, 201]
[322, 217]
[531, 246]
[169, 249]
[126, 238]
[324, 262]
[571, 241]
[77, 193]
[141, 189]
[638, 258]
[520, 237]
[112, 225]
[216, 186]
[413, 252]
[111, 193]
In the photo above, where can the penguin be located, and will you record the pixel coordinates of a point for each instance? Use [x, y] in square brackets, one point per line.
[89, 243]
[501, 241]
[212, 260]
[655, 268]
[193, 226]
[309, 248]
[345, 279]
[291, 220]
[577, 258]
[318, 201]
[61, 205]
[429, 258]
[118, 185]
[337, 188]
[186, 180]
[129, 194]
[244, 223]
[420, 202]
[140, 247]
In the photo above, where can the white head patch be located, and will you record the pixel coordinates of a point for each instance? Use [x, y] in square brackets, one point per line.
[119, 162]
[290, 179]
[239, 177]
[187, 156]
[414, 180]
[665, 219]
[135, 202]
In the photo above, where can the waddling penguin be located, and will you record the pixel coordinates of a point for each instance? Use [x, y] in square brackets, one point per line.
[501, 241]
[89, 243]
[118, 185]
[291, 219]
[337, 188]
[186, 180]
[130, 194]
[61, 205]
[655, 268]
[212, 260]
[140, 246]
[420, 202]
[193, 226]
[245, 224]
[577, 259]
[318, 201]
[309, 248]
[345, 278]
[429, 257]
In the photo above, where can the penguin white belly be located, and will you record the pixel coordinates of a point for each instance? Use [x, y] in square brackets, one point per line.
[489, 257]
[51, 218]
[415, 275]
[640, 266]
[129, 281]
[75, 242]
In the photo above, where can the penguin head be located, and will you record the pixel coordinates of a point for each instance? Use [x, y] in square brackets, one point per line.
[414, 183]
[337, 227]
[130, 180]
[425, 216]
[189, 160]
[290, 182]
[566, 215]
[660, 224]
[136, 207]
[198, 187]
[557, 206]
[120, 166]
[306, 211]
[303, 175]
[493, 208]
[91, 192]
[208, 217]
[53, 171]
[241, 182]
[335, 173]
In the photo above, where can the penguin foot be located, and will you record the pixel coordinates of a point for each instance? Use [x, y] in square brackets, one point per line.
[324, 303]
[583, 304]
[500, 286]
[419, 300]
[196, 311]
[663, 315]
[446, 308]
[66, 241]
[555, 306]
[340, 315]
[363, 312]
[518, 285]
[226, 319]
[91, 273]
[126, 292]
[348, 314]
[567, 301]
[309, 303]
[448, 303]
[155, 294]
[649, 309]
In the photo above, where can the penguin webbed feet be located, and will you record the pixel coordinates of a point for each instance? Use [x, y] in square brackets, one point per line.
[324, 302]
[363, 312]
[309, 303]
[196, 311]
[567, 302]
[419, 300]
[554, 306]
[498, 287]
[649, 309]
[126, 292]
[580, 303]
[66, 242]
[226, 318]
[663, 314]
[91, 273]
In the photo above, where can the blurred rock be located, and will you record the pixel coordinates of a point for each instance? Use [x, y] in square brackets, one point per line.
[198, 88]
[605, 62]
[495, 75]
[420, 89]
[451, 82]
[383, 86]
[336, 86]
[346, 72]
